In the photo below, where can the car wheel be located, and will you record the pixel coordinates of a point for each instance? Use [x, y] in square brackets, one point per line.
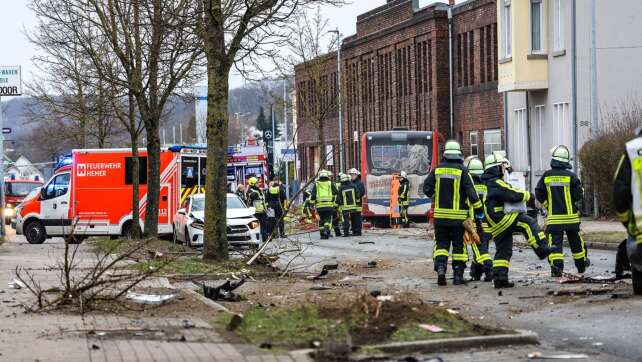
[35, 232]
[636, 275]
[174, 235]
[188, 240]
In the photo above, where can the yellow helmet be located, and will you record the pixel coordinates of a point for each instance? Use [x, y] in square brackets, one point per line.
[252, 181]
[494, 159]
[452, 150]
[474, 165]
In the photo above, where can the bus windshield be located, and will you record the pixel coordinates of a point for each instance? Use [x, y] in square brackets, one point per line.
[387, 157]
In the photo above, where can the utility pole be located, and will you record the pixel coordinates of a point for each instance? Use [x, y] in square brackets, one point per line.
[273, 138]
[3, 232]
[285, 131]
[339, 101]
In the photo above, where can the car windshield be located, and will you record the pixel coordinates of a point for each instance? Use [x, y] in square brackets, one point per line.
[233, 202]
[20, 188]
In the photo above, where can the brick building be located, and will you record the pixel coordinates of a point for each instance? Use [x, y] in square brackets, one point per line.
[395, 73]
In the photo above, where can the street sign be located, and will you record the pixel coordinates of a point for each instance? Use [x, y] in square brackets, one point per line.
[6, 130]
[10, 81]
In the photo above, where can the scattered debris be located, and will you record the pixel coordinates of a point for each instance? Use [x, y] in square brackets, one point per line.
[452, 311]
[431, 328]
[372, 264]
[16, 284]
[375, 293]
[568, 278]
[539, 355]
[366, 242]
[579, 291]
[415, 359]
[324, 271]
[385, 298]
[266, 345]
[597, 344]
[235, 322]
[187, 324]
[320, 287]
[500, 293]
[152, 299]
[95, 347]
[224, 291]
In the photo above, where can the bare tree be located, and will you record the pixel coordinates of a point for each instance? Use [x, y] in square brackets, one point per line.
[235, 33]
[155, 50]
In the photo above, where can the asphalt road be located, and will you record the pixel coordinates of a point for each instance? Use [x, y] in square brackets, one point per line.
[600, 325]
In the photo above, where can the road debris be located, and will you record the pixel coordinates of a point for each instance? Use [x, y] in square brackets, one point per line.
[375, 293]
[151, 299]
[452, 311]
[235, 322]
[568, 278]
[580, 291]
[539, 355]
[431, 328]
[372, 264]
[366, 242]
[224, 291]
[385, 298]
[320, 287]
[324, 271]
[16, 284]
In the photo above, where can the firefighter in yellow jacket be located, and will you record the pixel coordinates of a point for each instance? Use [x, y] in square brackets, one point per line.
[627, 199]
[482, 263]
[559, 190]
[324, 198]
[453, 191]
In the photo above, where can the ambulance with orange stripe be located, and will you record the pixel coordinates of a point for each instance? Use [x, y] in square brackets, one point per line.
[92, 190]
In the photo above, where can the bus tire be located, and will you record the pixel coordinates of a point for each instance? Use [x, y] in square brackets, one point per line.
[35, 232]
[636, 275]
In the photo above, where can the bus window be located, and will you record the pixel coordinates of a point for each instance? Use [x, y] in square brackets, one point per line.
[387, 157]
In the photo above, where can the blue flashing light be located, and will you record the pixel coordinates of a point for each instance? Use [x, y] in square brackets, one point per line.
[64, 160]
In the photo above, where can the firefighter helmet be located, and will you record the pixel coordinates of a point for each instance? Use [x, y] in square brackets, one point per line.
[252, 181]
[561, 153]
[354, 171]
[452, 150]
[344, 178]
[494, 159]
[403, 174]
[474, 165]
[324, 174]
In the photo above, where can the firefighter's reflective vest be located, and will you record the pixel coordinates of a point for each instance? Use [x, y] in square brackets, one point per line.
[324, 196]
[634, 151]
[447, 195]
[349, 198]
[482, 191]
[561, 210]
[258, 201]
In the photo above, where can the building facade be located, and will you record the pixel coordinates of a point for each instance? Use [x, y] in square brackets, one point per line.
[564, 65]
[395, 74]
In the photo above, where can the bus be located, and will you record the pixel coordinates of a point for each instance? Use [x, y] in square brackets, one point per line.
[390, 152]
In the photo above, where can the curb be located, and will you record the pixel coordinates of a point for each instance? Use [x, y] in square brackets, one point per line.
[523, 337]
[439, 345]
[207, 301]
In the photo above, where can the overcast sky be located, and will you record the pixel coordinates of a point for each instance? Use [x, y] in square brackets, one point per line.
[17, 18]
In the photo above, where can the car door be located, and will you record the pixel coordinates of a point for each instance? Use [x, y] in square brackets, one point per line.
[180, 220]
[54, 205]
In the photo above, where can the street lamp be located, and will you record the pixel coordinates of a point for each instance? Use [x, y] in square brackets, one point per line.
[338, 34]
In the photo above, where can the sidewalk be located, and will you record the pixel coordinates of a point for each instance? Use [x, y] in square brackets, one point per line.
[98, 336]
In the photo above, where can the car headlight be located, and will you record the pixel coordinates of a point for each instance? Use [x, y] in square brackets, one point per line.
[254, 224]
[198, 224]
[9, 206]
[8, 212]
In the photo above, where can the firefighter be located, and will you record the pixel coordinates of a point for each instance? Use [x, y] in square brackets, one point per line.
[404, 198]
[324, 196]
[307, 204]
[453, 189]
[240, 192]
[502, 225]
[337, 217]
[482, 263]
[627, 199]
[276, 200]
[256, 199]
[356, 217]
[559, 190]
[347, 199]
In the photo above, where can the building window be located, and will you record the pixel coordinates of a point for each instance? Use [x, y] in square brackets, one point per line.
[492, 141]
[519, 140]
[539, 137]
[536, 26]
[474, 145]
[507, 33]
[561, 124]
[558, 26]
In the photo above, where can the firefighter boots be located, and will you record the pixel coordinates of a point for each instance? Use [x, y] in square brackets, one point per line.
[488, 272]
[476, 271]
[557, 270]
[441, 275]
[503, 283]
[458, 275]
[542, 251]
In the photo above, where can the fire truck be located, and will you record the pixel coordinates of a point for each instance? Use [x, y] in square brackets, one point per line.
[15, 190]
[91, 192]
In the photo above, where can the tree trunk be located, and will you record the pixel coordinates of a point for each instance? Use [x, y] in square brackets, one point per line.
[153, 178]
[133, 133]
[216, 246]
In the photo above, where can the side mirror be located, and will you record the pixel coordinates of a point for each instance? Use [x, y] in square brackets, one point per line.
[182, 211]
[41, 196]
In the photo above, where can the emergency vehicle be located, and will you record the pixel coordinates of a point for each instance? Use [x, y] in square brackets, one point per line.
[15, 190]
[92, 189]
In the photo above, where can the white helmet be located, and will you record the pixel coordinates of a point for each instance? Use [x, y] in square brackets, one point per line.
[403, 174]
[354, 171]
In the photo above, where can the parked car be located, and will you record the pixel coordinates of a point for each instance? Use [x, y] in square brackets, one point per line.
[243, 229]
